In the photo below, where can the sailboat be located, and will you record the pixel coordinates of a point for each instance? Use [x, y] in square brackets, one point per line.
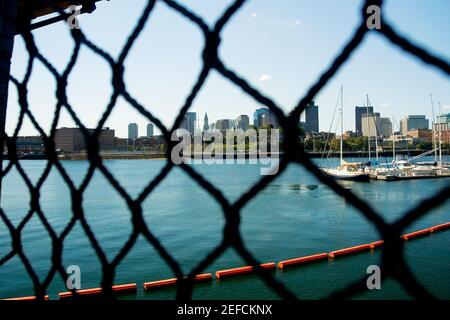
[409, 168]
[346, 170]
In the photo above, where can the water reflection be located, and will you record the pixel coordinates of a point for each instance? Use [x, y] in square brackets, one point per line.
[346, 184]
[300, 188]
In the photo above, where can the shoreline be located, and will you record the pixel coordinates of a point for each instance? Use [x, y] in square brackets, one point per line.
[162, 156]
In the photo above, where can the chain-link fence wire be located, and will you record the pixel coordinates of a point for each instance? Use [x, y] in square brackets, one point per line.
[393, 263]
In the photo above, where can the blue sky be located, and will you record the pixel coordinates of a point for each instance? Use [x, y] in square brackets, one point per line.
[279, 46]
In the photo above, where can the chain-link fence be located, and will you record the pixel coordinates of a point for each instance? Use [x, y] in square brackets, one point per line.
[393, 263]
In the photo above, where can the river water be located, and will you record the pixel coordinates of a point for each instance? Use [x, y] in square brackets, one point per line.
[294, 216]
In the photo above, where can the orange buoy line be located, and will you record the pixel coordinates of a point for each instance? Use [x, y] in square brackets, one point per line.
[243, 270]
[350, 250]
[130, 287]
[122, 288]
[31, 298]
[302, 260]
[416, 234]
[376, 244]
[440, 227]
[174, 281]
[247, 269]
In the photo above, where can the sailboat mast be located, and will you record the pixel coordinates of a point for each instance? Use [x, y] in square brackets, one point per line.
[376, 147]
[376, 130]
[342, 125]
[440, 136]
[394, 137]
[434, 129]
[368, 126]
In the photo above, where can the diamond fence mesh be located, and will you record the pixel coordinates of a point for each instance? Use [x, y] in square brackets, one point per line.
[393, 263]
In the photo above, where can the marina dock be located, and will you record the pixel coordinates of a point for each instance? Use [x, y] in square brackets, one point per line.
[410, 174]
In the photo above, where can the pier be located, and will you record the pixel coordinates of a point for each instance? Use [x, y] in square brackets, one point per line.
[414, 173]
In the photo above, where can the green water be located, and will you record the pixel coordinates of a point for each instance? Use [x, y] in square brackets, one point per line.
[294, 216]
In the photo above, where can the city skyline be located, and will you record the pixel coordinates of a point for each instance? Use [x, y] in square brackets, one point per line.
[413, 129]
[375, 123]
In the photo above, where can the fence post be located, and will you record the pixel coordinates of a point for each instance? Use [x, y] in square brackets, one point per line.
[8, 11]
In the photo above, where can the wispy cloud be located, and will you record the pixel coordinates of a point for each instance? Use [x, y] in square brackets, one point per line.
[255, 15]
[264, 77]
[445, 108]
[385, 104]
[296, 23]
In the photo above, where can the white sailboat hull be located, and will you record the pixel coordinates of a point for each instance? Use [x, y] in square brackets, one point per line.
[340, 174]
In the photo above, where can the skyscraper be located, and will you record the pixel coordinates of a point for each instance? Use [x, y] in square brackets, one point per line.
[369, 125]
[359, 113]
[242, 122]
[263, 116]
[222, 124]
[444, 119]
[133, 131]
[149, 130]
[257, 115]
[384, 127]
[312, 117]
[375, 126]
[205, 123]
[188, 122]
[412, 122]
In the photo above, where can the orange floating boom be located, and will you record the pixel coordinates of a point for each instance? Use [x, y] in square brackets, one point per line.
[243, 270]
[122, 288]
[160, 283]
[173, 281]
[302, 260]
[130, 287]
[440, 227]
[416, 234]
[376, 244]
[350, 250]
[31, 298]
